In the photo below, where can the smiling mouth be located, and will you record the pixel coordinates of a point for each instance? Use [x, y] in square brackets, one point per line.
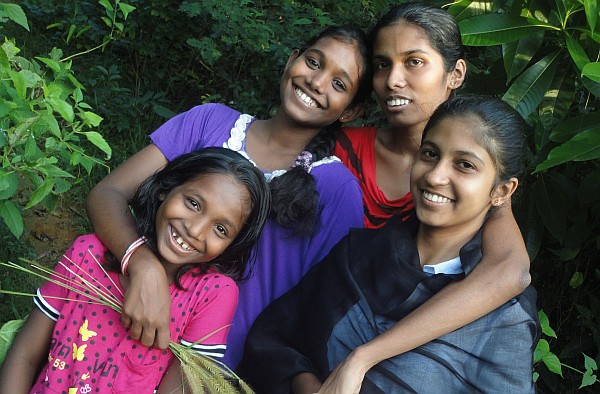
[436, 198]
[177, 238]
[306, 99]
[397, 102]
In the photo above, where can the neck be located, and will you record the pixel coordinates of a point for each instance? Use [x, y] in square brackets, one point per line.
[436, 245]
[401, 140]
[282, 133]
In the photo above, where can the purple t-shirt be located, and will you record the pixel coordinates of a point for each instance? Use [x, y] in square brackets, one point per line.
[282, 257]
[90, 350]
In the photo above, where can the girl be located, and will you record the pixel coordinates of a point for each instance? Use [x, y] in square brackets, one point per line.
[315, 200]
[412, 76]
[467, 166]
[200, 215]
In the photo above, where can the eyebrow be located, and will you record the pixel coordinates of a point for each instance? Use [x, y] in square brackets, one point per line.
[457, 152]
[322, 54]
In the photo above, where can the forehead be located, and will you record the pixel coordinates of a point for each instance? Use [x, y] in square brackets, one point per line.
[222, 188]
[464, 133]
[402, 37]
[340, 53]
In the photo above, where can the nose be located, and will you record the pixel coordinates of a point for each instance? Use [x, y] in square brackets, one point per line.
[438, 174]
[396, 78]
[316, 81]
[197, 229]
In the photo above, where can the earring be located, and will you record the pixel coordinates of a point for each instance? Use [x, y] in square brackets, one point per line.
[496, 203]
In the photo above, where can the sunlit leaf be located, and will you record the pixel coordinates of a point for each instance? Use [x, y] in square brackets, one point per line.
[528, 90]
[7, 334]
[575, 125]
[518, 54]
[496, 29]
[126, 9]
[15, 13]
[591, 12]
[577, 52]
[41, 192]
[592, 71]
[99, 141]
[557, 100]
[584, 146]
[553, 364]
[545, 325]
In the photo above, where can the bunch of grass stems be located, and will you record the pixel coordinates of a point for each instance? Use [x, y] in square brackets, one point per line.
[200, 374]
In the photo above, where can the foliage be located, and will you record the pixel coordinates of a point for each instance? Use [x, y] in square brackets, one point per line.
[46, 127]
[549, 62]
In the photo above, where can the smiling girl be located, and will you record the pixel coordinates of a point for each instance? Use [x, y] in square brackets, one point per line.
[200, 215]
[344, 311]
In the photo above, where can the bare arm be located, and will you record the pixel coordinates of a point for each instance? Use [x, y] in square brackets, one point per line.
[305, 383]
[147, 300]
[502, 274]
[26, 354]
[172, 381]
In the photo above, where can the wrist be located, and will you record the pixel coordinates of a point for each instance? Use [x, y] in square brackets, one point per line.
[364, 357]
[142, 259]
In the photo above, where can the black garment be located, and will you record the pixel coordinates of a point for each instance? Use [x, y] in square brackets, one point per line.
[369, 281]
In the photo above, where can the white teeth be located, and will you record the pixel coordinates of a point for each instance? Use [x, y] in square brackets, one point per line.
[310, 102]
[397, 102]
[436, 198]
[180, 242]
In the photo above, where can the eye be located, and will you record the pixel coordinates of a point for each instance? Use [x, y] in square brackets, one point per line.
[339, 85]
[312, 63]
[193, 203]
[221, 230]
[414, 62]
[429, 154]
[381, 65]
[466, 165]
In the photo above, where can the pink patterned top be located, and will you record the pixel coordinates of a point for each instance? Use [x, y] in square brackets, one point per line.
[91, 352]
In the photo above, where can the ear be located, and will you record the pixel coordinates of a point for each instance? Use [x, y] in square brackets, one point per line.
[293, 56]
[504, 191]
[352, 113]
[457, 75]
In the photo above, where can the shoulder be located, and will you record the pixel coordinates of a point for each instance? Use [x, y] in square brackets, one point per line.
[212, 110]
[333, 176]
[357, 134]
[88, 242]
[211, 282]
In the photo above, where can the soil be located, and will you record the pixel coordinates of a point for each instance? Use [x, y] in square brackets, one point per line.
[51, 233]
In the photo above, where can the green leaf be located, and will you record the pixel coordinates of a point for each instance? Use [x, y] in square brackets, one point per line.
[19, 83]
[592, 71]
[53, 64]
[589, 188]
[588, 379]
[553, 364]
[551, 203]
[591, 12]
[41, 192]
[557, 100]
[90, 118]
[106, 4]
[528, 90]
[9, 183]
[126, 9]
[52, 124]
[582, 147]
[31, 150]
[590, 363]
[576, 280]
[7, 335]
[12, 217]
[99, 141]
[107, 21]
[302, 22]
[518, 54]
[545, 324]
[496, 29]
[15, 13]
[55, 171]
[576, 125]
[62, 107]
[577, 52]
[542, 349]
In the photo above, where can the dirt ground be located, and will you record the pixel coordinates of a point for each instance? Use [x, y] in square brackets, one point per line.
[51, 233]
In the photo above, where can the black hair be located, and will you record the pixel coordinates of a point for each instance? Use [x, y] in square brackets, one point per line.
[441, 29]
[191, 166]
[294, 195]
[501, 131]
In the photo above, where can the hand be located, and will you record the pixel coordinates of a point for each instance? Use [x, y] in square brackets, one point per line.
[347, 377]
[146, 309]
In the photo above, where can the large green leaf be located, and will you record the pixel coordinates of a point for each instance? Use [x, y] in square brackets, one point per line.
[584, 146]
[12, 217]
[592, 71]
[518, 54]
[550, 202]
[591, 12]
[557, 100]
[575, 125]
[527, 91]
[577, 52]
[9, 183]
[496, 29]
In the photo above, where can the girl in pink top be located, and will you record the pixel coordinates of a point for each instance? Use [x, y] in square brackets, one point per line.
[200, 215]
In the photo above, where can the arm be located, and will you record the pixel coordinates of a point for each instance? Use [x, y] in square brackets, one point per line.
[305, 383]
[147, 300]
[502, 274]
[172, 381]
[26, 354]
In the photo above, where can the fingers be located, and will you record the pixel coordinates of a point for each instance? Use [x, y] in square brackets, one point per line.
[162, 338]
